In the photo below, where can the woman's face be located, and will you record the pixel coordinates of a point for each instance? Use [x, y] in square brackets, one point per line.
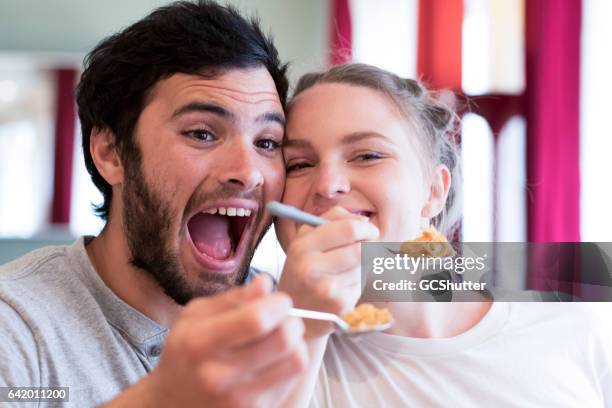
[349, 145]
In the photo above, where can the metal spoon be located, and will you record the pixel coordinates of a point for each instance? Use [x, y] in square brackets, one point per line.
[286, 211]
[341, 326]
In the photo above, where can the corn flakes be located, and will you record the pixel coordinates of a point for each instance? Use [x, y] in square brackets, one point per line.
[430, 243]
[366, 316]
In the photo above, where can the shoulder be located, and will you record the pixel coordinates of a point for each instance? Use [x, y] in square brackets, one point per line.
[581, 328]
[39, 293]
[566, 319]
[40, 260]
[51, 265]
[11, 321]
[559, 313]
[27, 282]
[38, 285]
[599, 325]
[37, 276]
[18, 349]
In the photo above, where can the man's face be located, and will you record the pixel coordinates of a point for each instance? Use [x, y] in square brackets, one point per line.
[193, 206]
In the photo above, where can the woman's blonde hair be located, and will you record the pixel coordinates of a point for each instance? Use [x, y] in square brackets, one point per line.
[436, 123]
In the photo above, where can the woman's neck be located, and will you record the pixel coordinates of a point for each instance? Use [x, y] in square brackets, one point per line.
[434, 319]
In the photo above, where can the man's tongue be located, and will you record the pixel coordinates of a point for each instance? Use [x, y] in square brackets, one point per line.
[211, 235]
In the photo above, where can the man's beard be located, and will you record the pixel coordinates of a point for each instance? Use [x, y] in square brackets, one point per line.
[147, 222]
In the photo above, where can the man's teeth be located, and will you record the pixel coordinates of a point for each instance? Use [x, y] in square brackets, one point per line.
[230, 211]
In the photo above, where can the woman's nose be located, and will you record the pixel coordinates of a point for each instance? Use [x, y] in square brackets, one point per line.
[332, 181]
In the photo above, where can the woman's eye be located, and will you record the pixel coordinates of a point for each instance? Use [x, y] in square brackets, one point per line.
[369, 156]
[268, 144]
[200, 134]
[297, 166]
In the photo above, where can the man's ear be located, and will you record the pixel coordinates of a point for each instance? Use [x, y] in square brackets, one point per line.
[438, 191]
[105, 156]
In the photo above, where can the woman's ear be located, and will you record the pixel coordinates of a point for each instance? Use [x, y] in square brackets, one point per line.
[105, 156]
[438, 192]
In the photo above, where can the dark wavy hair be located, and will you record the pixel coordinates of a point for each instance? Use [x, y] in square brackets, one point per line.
[202, 38]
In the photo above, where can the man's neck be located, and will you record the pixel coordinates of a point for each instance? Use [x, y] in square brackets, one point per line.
[110, 256]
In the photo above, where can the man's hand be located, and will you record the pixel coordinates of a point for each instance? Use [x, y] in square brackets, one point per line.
[322, 270]
[237, 349]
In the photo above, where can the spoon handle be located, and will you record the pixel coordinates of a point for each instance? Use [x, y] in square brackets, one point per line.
[286, 211]
[313, 314]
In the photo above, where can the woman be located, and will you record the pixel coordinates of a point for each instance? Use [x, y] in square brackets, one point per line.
[375, 154]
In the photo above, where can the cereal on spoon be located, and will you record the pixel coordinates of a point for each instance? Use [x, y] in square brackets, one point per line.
[430, 243]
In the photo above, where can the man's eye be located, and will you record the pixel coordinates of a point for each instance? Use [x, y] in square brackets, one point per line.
[200, 134]
[297, 166]
[268, 144]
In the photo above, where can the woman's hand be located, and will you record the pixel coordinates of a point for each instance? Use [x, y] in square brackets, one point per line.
[322, 271]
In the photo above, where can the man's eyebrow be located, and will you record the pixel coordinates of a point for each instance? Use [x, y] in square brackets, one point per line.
[272, 117]
[224, 113]
[204, 107]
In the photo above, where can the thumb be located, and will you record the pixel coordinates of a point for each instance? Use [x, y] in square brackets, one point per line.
[259, 287]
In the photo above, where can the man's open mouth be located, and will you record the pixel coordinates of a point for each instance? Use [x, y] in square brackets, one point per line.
[219, 232]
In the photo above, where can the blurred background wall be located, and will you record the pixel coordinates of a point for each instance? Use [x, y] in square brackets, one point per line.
[531, 79]
[53, 27]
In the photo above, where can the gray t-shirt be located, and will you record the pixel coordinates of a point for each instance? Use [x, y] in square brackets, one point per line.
[61, 326]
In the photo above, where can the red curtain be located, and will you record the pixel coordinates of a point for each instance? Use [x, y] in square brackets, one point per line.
[553, 98]
[439, 49]
[553, 157]
[340, 32]
[439, 39]
[64, 145]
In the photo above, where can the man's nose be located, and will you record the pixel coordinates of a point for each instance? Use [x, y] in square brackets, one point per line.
[240, 168]
[332, 181]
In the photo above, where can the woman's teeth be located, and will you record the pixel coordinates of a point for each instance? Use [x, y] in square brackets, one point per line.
[229, 211]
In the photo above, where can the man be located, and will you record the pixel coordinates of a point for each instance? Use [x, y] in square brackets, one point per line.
[182, 120]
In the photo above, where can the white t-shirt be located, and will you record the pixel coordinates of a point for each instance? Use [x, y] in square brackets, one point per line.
[518, 355]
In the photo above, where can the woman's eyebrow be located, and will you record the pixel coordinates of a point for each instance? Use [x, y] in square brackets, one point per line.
[346, 139]
[358, 136]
